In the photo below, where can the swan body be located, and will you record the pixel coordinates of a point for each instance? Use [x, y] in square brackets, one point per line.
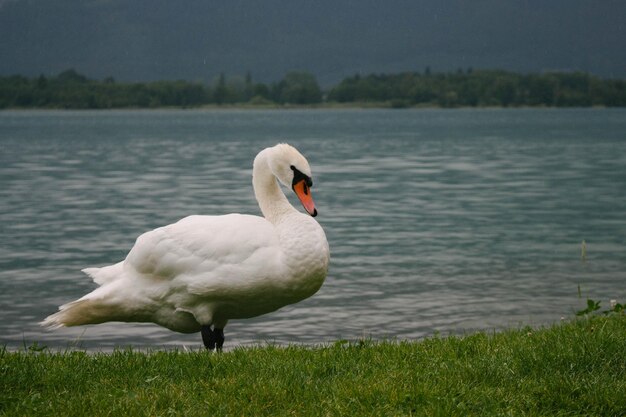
[198, 273]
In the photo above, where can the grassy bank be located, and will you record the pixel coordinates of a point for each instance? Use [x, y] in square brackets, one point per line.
[577, 368]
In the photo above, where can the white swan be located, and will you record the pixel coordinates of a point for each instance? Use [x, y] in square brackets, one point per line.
[198, 273]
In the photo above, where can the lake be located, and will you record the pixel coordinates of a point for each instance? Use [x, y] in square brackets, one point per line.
[439, 221]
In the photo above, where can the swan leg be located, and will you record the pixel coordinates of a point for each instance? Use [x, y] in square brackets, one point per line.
[212, 338]
[208, 337]
[219, 339]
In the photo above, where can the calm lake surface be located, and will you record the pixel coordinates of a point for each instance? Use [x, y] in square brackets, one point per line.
[442, 221]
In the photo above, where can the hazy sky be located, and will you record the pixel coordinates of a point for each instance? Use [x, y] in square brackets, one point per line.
[196, 40]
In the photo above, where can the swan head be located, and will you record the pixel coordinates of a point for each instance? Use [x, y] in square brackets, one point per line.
[293, 171]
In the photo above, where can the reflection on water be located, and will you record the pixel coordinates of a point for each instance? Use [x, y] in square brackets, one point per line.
[443, 221]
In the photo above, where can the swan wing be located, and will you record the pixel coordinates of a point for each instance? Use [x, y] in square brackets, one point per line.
[207, 253]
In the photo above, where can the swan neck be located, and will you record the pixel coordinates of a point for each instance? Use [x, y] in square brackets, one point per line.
[272, 201]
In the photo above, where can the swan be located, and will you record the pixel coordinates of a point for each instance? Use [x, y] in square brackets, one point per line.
[202, 271]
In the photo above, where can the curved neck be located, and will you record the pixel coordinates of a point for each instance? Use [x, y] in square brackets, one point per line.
[272, 201]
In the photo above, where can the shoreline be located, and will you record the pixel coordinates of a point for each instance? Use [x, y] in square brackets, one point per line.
[322, 106]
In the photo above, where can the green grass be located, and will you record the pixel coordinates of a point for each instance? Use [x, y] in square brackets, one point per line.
[576, 368]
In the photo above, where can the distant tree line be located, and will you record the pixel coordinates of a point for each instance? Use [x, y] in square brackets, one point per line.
[463, 88]
[482, 88]
[72, 90]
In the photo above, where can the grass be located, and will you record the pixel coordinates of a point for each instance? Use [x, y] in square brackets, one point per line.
[575, 368]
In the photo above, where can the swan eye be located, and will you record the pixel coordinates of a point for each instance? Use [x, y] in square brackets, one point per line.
[299, 176]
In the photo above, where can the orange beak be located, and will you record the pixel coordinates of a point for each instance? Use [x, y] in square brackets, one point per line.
[303, 191]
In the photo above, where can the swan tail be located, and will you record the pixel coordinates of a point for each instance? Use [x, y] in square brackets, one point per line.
[92, 308]
[112, 302]
[77, 313]
[106, 274]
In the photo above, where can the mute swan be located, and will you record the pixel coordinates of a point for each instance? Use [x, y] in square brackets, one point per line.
[197, 274]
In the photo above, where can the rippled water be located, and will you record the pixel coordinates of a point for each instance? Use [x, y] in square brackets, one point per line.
[438, 220]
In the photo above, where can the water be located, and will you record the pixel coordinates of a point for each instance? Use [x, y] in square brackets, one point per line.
[442, 221]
